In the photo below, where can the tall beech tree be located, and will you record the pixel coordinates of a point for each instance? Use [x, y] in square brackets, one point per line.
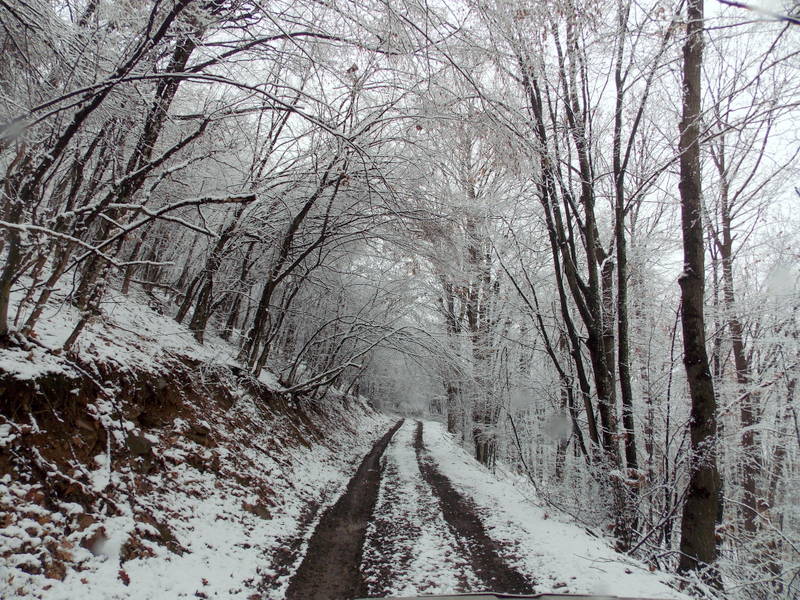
[698, 544]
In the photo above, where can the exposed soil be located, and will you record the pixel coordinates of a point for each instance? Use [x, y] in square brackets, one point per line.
[165, 424]
[330, 568]
[483, 552]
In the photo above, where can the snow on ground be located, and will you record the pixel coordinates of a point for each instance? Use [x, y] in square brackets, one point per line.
[408, 537]
[131, 331]
[236, 514]
[30, 364]
[214, 517]
[562, 556]
[225, 537]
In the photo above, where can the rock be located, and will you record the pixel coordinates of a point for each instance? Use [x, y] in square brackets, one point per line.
[86, 425]
[35, 495]
[258, 510]
[142, 448]
[140, 445]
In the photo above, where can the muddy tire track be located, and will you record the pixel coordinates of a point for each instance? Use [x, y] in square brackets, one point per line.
[330, 568]
[410, 548]
[394, 538]
[461, 515]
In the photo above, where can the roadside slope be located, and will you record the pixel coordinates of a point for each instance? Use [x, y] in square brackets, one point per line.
[143, 465]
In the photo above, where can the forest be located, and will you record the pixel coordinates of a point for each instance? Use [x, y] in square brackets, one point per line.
[567, 228]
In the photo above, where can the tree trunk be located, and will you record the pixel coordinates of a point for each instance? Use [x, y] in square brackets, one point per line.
[623, 343]
[547, 198]
[205, 299]
[698, 544]
[748, 407]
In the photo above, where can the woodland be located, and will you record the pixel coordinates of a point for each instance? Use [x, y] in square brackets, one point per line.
[568, 228]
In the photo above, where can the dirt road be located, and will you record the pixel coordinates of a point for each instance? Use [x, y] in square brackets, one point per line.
[330, 568]
[401, 528]
[485, 554]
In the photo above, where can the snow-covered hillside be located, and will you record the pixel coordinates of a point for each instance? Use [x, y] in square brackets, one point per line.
[147, 466]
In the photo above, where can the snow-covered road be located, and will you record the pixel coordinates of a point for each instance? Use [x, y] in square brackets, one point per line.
[409, 547]
[442, 523]
[559, 554]
[418, 516]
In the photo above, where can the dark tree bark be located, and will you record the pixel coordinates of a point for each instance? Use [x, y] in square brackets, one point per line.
[165, 92]
[454, 408]
[283, 265]
[698, 540]
[547, 197]
[620, 241]
[188, 299]
[205, 298]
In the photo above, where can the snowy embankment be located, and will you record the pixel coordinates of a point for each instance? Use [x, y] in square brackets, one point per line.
[562, 556]
[144, 465]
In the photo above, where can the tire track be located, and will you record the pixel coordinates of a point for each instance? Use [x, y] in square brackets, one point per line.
[330, 568]
[410, 549]
[461, 516]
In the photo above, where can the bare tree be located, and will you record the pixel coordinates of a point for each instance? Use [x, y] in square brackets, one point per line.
[698, 535]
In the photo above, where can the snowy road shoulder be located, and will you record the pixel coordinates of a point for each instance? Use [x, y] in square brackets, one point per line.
[561, 556]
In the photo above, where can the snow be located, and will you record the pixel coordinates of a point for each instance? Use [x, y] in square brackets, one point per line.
[270, 380]
[228, 509]
[7, 436]
[232, 508]
[227, 549]
[131, 332]
[555, 551]
[30, 364]
[423, 554]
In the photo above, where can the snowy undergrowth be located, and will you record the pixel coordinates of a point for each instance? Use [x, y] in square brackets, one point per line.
[562, 556]
[194, 489]
[134, 332]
